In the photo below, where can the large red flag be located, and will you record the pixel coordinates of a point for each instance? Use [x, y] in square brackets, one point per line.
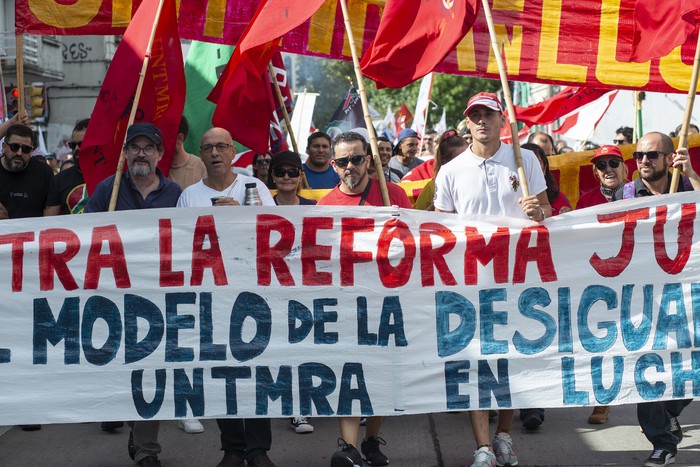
[566, 101]
[660, 26]
[413, 37]
[162, 96]
[242, 94]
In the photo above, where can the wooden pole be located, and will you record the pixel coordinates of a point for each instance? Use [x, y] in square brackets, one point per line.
[134, 108]
[365, 107]
[508, 99]
[19, 66]
[683, 137]
[287, 121]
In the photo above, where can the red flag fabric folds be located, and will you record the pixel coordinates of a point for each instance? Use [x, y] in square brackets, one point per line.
[661, 26]
[162, 96]
[242, 94]
[566, 101]
[413, 37]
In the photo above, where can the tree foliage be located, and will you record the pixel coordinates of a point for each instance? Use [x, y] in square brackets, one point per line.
[329, 78]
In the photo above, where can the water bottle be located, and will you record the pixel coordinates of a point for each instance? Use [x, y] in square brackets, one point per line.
[252, 197]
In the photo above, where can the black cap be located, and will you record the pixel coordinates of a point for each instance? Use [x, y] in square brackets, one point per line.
[286, 157]
[149, 130]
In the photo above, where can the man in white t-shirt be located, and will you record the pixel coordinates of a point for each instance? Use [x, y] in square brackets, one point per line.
[484, 180]
[217, 151]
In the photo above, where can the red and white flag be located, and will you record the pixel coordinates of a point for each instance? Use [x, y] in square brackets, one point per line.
[422, 104]
[403, 119]
[162, 96]
[563, 103]
[580, 124]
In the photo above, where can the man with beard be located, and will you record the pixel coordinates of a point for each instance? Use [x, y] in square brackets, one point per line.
[385, 151]
[356, 188]
[405, 158]
[654, 155]
[143, 186]
[68, 193]
[24, 180]
[317, 168]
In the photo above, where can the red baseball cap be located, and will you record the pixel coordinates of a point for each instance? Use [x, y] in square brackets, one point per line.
[484, 99]
[605, 151]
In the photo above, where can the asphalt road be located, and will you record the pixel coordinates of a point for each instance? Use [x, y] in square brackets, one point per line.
[565, 439]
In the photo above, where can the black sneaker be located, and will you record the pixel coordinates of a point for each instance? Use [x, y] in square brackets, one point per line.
[371, 453]
[149, 461]
[675, 429]
[532, 421]
[348, 456]
[659, 457]
[111, 426]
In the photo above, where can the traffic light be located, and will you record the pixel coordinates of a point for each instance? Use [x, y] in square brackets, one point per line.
[11, 98]
[37, 101]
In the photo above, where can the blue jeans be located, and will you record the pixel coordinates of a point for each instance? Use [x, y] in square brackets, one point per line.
[655, 420]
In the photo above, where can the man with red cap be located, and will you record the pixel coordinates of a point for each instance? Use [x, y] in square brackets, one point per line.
[610, 170]
[484, 180]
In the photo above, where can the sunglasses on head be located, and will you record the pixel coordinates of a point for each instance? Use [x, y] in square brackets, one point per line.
[280, 172]
[14, 147]
[357, 159]
[651, 155]
[74, 144]
[614, 164]
[619, 141]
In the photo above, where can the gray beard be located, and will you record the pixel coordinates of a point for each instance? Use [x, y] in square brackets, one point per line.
[140, 170]
[16, 166]
[352, 181]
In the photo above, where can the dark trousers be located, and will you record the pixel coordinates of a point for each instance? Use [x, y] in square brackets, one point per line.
[249, 436]
[655, 420]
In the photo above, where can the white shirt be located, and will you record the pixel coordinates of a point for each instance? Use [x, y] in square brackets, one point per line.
[470, 184]
[200, 195]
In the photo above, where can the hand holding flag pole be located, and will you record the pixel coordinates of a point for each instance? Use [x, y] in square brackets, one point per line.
[365, 106]
[508, 99]
[683, 137]
[134, 108]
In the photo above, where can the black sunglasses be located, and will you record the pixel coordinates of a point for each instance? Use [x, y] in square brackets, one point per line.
[74, 144]
[601, 165]
[280, 172]
[14, 147]
[619, 141]
[651, 155]
[357, 159]
[263, 161]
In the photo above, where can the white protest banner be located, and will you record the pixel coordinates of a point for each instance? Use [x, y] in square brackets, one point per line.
[253, 311]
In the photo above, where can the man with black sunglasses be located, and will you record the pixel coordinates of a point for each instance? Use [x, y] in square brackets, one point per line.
[610, 170]
[654, 155]
[68, 193]
[24, 180]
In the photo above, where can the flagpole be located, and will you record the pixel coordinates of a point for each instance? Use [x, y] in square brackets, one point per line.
[134, 107]
[19, 68]
[683, 137]
[508, 99]
[287, 121]
[365, 106]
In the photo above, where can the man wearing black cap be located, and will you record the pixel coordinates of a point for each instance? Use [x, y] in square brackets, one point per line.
[143, 186]
[405, 159]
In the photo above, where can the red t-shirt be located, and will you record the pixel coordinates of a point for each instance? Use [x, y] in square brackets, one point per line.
[591, 198]
[397, 197]
[422, 172]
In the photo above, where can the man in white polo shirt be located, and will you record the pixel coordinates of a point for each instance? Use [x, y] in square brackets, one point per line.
[484, 180]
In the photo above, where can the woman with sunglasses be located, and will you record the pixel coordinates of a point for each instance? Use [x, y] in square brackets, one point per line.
[261, 167]
[610, 170]
[286, 175]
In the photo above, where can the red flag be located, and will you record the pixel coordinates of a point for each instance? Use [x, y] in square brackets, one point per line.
[162, 96]
[242, 94]
[404, 117]
[414, 37]
[661, 26]
[563, 103]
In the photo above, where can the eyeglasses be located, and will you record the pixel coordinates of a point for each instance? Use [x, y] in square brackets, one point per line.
[601, 165]
[208, 148]
[74, 144]
[356, 159]
[263, 161]
[280, 172]
[14, 147]
[651, 155]
[619, 141]
[135, 150]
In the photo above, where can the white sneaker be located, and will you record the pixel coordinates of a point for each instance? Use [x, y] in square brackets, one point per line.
[191, 426]
[301, 425]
